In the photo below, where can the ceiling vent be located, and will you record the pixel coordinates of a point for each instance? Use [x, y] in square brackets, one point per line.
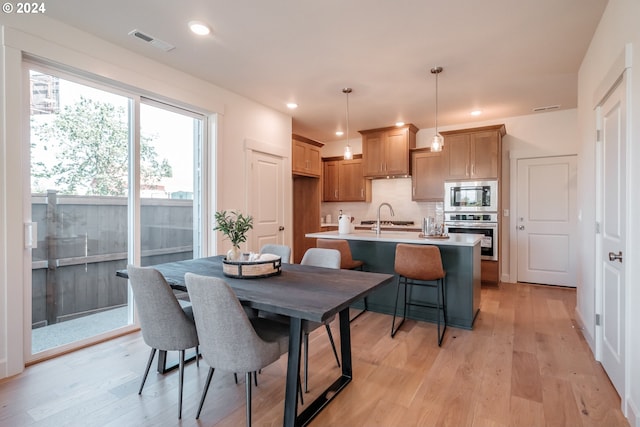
[547, 108]
[153, 41]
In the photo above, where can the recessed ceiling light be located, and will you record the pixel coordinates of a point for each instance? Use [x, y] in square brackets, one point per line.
[199, 28]
[339, 133]
[292, 105]
[399, 124]
[476, 112]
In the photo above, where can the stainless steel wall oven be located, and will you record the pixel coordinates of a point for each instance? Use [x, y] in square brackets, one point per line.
[476, 223]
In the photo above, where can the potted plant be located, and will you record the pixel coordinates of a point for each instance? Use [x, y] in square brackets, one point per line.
[234, 225]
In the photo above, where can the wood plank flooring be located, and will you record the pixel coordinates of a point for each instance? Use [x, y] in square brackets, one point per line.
[524, 364]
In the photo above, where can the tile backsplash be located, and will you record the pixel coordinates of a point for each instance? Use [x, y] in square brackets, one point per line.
[396, 192]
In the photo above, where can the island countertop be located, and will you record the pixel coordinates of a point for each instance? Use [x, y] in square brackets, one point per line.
[455, 239]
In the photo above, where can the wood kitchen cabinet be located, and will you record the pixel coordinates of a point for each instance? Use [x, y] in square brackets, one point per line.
[473, 153]
[343, 180]
[385, 151]
[427, 175]
[305, 156]
[306, 167]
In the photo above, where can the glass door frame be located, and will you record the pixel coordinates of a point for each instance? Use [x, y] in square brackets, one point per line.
[201, 192]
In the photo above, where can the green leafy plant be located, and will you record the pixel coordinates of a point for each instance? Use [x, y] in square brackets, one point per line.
[234, 226]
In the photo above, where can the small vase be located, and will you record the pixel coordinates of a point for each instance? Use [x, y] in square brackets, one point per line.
[233, 254]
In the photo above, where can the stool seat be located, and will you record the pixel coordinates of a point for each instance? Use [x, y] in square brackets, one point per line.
[420, 265]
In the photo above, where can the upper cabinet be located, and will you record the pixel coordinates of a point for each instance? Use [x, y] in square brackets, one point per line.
[385, 151]
[473, 153]
[343, 180]
[427, 175]
[305, 156]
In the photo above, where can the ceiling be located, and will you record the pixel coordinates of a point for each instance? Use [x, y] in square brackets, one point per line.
[504, 57]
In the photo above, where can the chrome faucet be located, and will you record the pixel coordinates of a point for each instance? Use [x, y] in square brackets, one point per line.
[377, 226]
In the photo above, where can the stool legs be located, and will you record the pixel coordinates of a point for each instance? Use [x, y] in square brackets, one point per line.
[440, 305]
[395, 307]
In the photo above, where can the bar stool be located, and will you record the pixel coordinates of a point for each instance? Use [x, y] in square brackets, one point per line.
[346, 260]
[420, 265]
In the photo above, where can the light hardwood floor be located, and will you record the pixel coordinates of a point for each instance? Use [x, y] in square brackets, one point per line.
[524, 364]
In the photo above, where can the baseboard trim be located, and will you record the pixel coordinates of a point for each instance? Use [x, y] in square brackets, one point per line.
[586, 333]
[633, 414]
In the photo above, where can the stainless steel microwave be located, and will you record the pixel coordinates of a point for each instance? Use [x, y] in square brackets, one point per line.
[471, 196]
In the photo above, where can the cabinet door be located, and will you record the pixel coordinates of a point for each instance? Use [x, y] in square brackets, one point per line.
[314, 161]
[427, 176]
[456, 148]
[298, 157]
[330, 181]
[484, 155]
[373, 154]
[396, 152]
[352, 183]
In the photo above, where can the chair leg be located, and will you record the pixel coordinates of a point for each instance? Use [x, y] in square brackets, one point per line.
[197, 357]
[300, 390]
[255, 378]
[248, 388]
[180, 382]
[204, 391]
[146, 371]
[235, 378]
[333, 344]
[395, 329]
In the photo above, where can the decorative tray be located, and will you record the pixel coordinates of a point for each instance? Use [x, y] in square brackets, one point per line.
[434, 236]
[267, 266]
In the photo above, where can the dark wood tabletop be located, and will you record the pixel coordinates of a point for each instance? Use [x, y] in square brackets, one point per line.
[301, 291]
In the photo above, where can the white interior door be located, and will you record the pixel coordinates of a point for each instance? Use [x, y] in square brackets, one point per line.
[266, 200]
[613, 235]
[546, 220]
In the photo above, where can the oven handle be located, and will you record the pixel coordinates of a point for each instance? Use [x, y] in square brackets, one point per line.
[471, 224]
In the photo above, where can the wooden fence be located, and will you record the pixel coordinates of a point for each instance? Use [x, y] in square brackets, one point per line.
[83, 241]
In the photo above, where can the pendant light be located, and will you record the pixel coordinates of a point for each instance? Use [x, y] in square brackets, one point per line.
[437, 142]
[348, 154]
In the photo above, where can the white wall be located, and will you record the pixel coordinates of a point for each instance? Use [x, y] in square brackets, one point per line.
[536, 135]
[240, 120]
[618, 27]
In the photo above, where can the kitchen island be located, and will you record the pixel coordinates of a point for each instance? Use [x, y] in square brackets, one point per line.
[460, 258]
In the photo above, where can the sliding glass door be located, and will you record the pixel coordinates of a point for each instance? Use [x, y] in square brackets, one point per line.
[91, 146]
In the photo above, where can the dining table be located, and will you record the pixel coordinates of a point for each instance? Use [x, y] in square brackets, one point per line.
[302, 293]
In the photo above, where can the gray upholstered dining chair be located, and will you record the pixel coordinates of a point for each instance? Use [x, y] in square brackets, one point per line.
[327, 258]
[283, 251]
[229, 340]
[165, 324]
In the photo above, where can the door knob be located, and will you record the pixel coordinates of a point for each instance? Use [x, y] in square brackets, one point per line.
[521, 227]
[281, 228]
[615, 257]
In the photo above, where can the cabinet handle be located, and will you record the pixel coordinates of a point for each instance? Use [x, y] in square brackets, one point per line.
[466, 170]
[362, 192]
[473, 169]
[335, 194]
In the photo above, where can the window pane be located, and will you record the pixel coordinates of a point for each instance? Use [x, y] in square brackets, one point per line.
[167, 185]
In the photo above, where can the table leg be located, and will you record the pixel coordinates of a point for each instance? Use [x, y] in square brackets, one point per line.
[162, 361]
[332, 391]
[293, 372]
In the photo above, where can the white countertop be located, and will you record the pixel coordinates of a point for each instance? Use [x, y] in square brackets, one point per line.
[455, 239]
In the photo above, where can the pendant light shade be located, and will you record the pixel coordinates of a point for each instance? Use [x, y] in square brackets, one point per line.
[348, 154]
[437, 142]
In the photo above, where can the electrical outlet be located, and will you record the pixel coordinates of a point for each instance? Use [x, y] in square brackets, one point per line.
[505, 213]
